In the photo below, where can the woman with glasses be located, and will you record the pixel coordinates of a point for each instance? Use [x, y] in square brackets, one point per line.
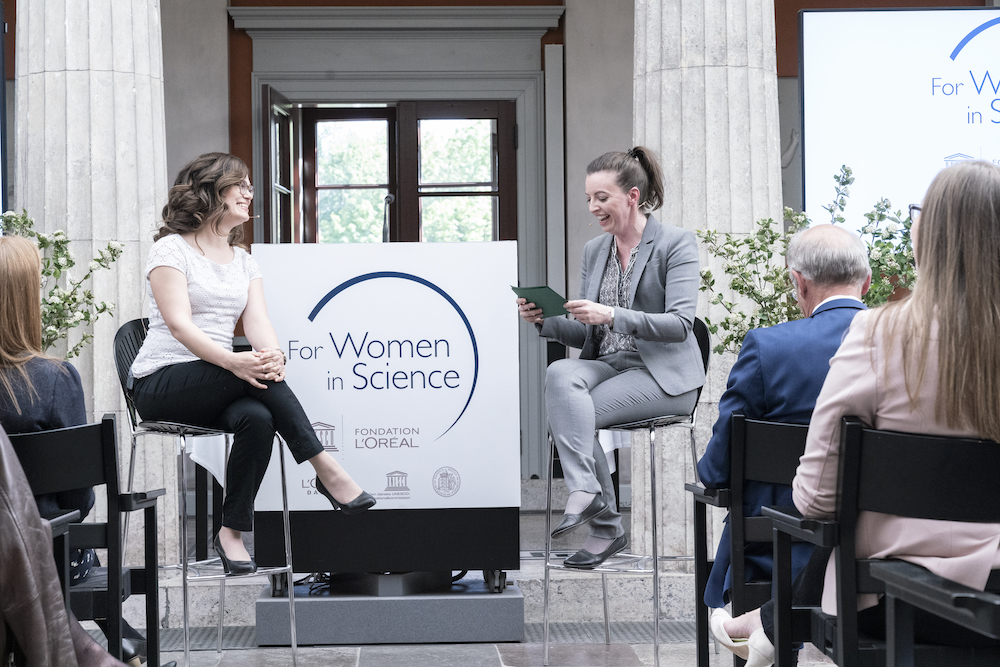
[201, 281]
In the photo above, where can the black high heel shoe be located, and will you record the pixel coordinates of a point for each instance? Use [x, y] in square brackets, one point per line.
[234, 566]
[356, 506]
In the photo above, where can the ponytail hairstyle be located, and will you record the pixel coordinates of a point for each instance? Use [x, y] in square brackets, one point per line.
[635, 168]
[196, 200]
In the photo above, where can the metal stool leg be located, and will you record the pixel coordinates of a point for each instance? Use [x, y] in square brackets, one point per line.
[548, 555]
[128, 489]
[290, 583]
[607, 618]
[222, 611]
[182, 529]
[656, 554]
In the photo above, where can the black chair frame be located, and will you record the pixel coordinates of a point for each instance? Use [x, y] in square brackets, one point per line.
[92, 451]
[760, 451]
[904, 474]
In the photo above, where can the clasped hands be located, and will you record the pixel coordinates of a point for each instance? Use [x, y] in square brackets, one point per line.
[264, 364]
[584, 310]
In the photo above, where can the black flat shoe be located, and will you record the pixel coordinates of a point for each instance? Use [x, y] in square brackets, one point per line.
[585, 560]
[596, 507]
[356, 506]
[234, 566]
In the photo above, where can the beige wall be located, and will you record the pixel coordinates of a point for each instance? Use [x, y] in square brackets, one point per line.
[195, 79]
[599, 58]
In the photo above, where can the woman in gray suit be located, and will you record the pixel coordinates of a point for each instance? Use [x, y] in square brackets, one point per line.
[633, 323]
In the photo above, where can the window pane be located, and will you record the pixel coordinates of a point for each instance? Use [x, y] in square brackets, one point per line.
[448, 219]
[456, 152]
[352, 152]
[351, 216]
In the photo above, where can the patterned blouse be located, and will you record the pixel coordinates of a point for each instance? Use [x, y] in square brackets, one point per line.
[615, 288]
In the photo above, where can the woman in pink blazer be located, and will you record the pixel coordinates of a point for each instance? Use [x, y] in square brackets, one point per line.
[927, 364]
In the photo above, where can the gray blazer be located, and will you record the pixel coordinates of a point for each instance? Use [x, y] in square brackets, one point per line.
[663, 299]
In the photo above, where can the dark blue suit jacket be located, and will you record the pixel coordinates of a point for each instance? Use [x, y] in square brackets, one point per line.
[777, 377]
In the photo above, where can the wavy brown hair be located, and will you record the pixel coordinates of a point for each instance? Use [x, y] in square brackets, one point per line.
[635, 168]
[957, 249]
[195, 200]
[20, 314]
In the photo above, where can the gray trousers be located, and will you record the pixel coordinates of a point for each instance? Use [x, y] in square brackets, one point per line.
[582, 396]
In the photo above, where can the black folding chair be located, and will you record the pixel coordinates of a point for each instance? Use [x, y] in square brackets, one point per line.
[85, 456]
[903, 474]
[760, 451]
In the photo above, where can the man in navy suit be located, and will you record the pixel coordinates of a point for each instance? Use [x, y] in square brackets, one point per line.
[778, 375]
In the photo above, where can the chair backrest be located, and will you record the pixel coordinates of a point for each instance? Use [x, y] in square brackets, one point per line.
[761, 451]
[73, 458]
[70, 458]
[908, 475]
[128, 340]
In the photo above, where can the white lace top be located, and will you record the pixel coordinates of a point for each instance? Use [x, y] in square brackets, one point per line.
[218, 295]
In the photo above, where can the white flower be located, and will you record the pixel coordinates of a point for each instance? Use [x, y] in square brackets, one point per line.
[867, 229]
[51, 329]
[52, 298]
[892, 227]
[59, 234]
[61, 261]
[6, 213]
[77, 316]
[876, 253]
[116, 245]
[93, 266]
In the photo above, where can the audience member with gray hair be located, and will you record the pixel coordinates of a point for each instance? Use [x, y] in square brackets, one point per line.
[777, 376]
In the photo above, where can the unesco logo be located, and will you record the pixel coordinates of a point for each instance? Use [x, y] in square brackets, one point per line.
[446, 482]
[327, 435]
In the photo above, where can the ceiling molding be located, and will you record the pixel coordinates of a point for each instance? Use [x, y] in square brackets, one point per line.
[396, 18]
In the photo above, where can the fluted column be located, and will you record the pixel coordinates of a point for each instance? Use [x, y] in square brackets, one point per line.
[91, 159]
[706, 99]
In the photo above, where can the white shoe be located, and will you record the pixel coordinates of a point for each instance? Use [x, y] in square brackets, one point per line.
[738, 646]
[761, 650]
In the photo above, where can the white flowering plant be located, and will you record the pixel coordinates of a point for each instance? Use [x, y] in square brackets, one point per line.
[755, 267]
[890, 247]
[69, 304]
[751, 263]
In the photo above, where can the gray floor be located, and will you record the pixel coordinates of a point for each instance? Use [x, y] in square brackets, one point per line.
[573, 645]
[469, 655]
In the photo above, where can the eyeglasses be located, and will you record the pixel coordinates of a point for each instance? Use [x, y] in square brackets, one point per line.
[914, 212]
[246, 189]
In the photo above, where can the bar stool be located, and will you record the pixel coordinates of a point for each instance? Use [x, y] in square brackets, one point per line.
[627, 563]
[128, 340]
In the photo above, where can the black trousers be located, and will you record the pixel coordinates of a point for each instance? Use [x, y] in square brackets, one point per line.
[203, 394]
[807, 590]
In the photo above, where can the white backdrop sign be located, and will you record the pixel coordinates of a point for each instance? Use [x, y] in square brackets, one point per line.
[896, 96]
[405, 359]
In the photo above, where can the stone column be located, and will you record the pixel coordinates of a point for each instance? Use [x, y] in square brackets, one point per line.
[91, 160]
[706, 99]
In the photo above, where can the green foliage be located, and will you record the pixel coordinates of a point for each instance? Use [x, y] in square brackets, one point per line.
[66, 306]
[752, 267]
[451, 151]
[887, 235]
[755, 268]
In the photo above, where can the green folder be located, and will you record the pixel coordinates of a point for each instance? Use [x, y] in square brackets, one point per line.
[544, 297]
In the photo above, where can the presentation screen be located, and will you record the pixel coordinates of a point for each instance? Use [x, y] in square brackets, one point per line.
[896, 95]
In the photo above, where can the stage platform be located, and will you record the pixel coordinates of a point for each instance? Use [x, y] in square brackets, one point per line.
[376, 609]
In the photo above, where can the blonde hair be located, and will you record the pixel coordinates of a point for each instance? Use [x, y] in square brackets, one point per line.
[957, 249]
[20, 313]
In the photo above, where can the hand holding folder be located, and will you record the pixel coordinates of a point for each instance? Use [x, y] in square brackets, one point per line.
[544, 297]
